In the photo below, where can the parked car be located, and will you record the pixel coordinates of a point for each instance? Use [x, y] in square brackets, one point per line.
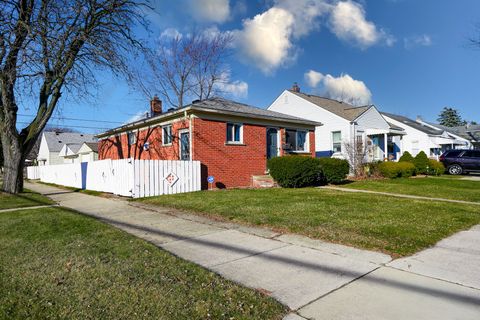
[461, 161]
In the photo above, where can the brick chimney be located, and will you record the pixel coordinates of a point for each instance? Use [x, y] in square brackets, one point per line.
[155, 106]
[295, 87]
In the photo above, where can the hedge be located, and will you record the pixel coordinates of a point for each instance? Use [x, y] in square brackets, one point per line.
[396, 169]
[333, 170]
[406, 157]
[421, 163]
[299, 171]
[435, 168]
[294, 171]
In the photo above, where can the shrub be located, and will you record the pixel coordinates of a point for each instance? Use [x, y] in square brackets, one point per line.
[333, 170]
[372, 169]
[294, 171]
[421, 163]
[435, 167]
[406, 157]
[396, 169]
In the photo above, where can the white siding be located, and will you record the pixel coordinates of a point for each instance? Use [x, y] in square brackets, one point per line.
[294, 105]
[415, 140]
[372, 119]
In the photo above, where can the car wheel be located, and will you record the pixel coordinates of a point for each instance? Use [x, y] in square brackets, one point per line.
[455, 169]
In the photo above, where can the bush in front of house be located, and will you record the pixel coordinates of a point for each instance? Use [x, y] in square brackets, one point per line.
[295, 171]
[406, 157]
[333, 170]
[435, 168]
[421, 163]
[372, 169]
[394, 170]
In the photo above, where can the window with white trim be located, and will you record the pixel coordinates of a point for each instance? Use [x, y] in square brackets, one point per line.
[167, 135]
[296, 140]
[132, 138]
[234, 133]
[337, 141]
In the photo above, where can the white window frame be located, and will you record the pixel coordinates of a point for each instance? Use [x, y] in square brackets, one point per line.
[306, 146]
[164, 135]
[334, 143]
[233, 133]
[129, 141]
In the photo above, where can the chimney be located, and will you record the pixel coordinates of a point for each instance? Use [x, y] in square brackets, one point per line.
[295, 87]
[419, 119]
[155, 106]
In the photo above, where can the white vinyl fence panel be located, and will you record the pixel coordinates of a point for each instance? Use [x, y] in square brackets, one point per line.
[127, 177]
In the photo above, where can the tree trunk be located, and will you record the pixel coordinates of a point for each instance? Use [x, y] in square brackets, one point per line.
[14, 162]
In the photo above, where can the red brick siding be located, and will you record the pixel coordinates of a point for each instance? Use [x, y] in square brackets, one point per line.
[231, 165]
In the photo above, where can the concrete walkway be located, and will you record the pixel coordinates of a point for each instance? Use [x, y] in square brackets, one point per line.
[317, 280]
[27, 208]
[398, 195]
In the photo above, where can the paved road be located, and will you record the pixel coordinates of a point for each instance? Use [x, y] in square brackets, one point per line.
[317, 280]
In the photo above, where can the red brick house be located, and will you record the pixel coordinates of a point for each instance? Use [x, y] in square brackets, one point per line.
[232, 140]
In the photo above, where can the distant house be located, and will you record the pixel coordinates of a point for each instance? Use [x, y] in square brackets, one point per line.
[233, 141]
[343, 124]
[422, 136]
[62, 147]
[470, 132]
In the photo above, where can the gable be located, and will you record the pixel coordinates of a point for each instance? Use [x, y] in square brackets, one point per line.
[372, 119]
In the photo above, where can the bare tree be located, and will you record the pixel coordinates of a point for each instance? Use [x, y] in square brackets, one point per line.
[356, 153]
[187, 67]
[48, 47]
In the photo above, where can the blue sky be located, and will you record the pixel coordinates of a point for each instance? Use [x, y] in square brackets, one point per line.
[405, 56]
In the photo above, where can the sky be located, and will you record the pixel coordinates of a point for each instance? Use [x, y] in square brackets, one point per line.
[407, 57]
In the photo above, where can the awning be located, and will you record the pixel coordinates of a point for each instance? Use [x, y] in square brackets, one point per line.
[446, 141]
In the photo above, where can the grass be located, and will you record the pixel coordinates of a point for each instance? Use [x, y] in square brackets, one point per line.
[58, 264]
[454, 189]
[86, 191]
[397, 226]
[24, 199]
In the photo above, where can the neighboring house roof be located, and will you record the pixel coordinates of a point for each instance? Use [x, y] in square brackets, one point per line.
[341, 109]
[394, 127]
[414, 124]
[92, 145]
[56, 140]
[219, 106]
[469, 132]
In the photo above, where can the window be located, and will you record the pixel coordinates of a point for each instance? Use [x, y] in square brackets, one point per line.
[234, 133]
[167, 135]
[471, 154]
[337, 141]
[296, 140]
[132, 138]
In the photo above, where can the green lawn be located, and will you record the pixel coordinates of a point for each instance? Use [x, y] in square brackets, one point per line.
[24, 199]
[440, 187]
[393, 225]
[56, 264]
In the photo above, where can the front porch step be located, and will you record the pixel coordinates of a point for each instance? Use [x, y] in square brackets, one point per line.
[264, 181]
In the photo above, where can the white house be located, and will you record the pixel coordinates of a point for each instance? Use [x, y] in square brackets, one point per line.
[55, 144]
[422, 136]
[342, 124]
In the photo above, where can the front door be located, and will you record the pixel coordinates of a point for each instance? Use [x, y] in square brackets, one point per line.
[184, 145]
[272, 143]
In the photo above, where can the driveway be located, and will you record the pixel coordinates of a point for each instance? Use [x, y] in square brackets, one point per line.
[314, 279]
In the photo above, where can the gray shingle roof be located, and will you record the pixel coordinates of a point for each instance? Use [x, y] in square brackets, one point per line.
[56, 140]
[224, 105]
[471, 132]
[414, 124]
[92, 145]
[341, 109]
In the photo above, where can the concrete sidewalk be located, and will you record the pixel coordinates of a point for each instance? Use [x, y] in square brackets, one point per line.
[315, 279]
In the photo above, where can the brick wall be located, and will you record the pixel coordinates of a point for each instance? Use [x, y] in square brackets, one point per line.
[232, 165]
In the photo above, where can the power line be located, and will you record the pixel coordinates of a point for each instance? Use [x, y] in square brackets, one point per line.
[69, 126]
[74, 119]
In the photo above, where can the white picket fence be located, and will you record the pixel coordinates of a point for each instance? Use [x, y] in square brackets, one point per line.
[127, 177]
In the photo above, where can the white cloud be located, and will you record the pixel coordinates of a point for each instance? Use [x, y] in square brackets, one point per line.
[235, 89]
[216, 11]
[348, 23]
[170, 33]
[265, 39]
[137, 116]
[313, 78]
[342, 88]
[423, 40]
[306, 14]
